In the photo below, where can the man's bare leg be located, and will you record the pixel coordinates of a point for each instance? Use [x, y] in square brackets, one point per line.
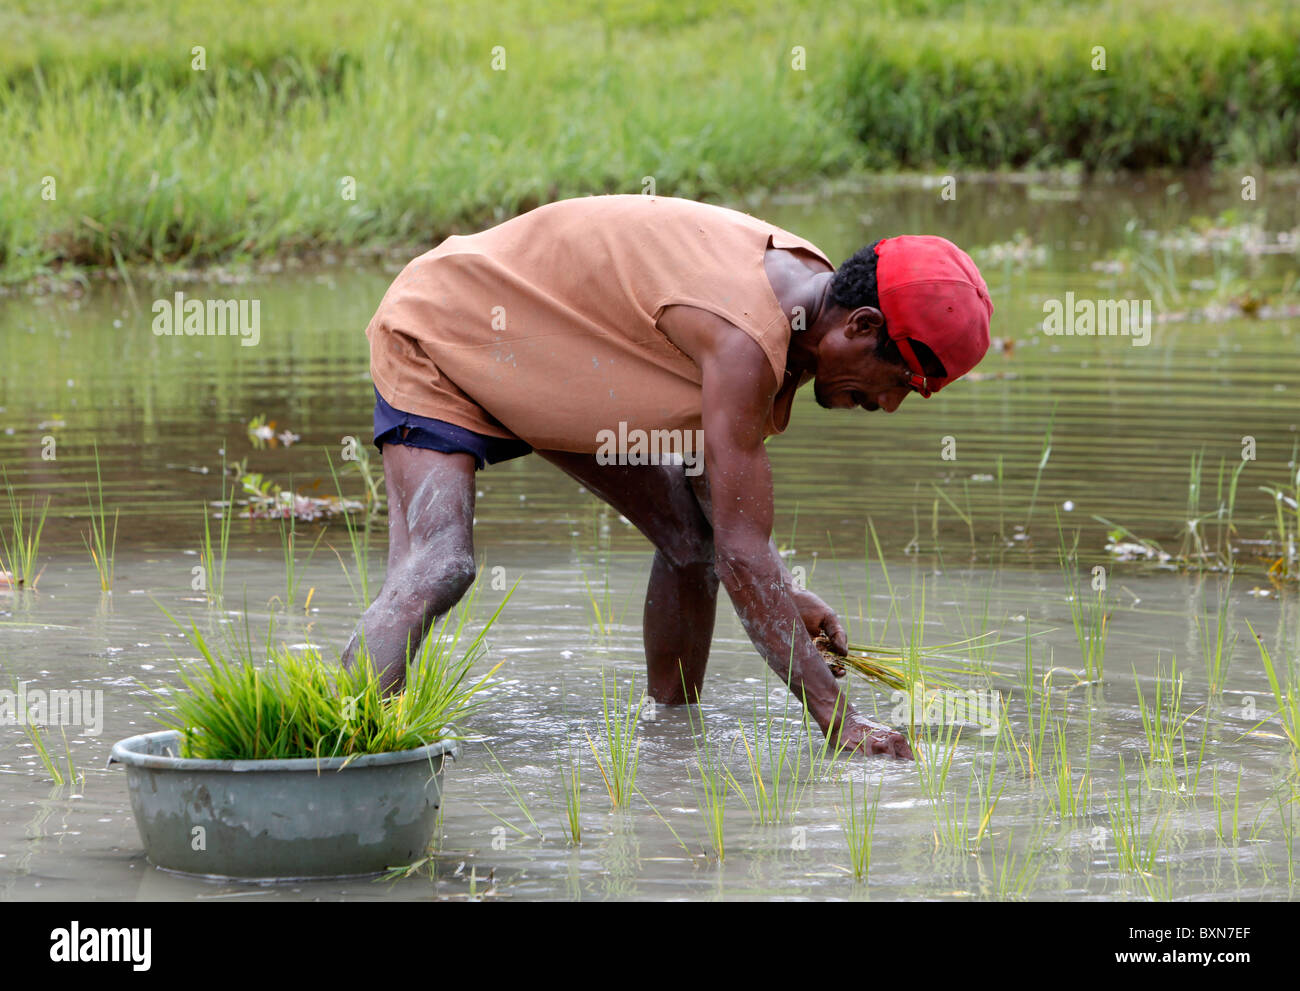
[430, 555]
[682, 596]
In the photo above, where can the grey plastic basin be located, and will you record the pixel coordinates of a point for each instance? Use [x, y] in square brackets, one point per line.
[281, 819]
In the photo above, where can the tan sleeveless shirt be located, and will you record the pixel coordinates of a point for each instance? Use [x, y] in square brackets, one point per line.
[543, 328]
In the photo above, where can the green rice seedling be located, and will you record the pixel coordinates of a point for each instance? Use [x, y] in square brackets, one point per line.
[1286, 818]
[1138, 839]
[1089, 610]
[1216, 645]
[18, 550]
[712, 786]
[42, 751]
[1069, 800]
[358, 536]
[967, 517]
[1226, 514]
[1028, 750]
[858, 820]
[1015, 871]
[774, 795]
[516, 796]
[569, 765]
[1286, 694]
[955, 820]
[289, 548]
[297, 705]
[1164, 725]
[213, 555]
[99, 542]
[622, 745]
[1219, 806]
[60, 773]
[601, 599]
[934, 749]
[1043, 457]
[1286, 506]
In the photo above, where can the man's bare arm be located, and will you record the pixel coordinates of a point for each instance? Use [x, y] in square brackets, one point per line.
[738, 386]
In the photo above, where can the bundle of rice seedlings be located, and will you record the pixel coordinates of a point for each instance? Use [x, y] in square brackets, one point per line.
[898, 668]
[298, 705]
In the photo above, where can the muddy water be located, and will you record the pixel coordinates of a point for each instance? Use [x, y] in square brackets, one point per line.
[1127, 419]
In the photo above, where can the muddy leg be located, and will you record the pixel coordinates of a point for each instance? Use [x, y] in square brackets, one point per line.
[682, 596]
[430, 555]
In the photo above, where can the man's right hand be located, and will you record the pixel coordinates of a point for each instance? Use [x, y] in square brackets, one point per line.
[858, 734]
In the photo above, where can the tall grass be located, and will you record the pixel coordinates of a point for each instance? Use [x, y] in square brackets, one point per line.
[21, 546]
[593, 98]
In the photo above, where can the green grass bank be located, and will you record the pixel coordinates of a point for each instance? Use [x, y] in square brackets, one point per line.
[144, 132]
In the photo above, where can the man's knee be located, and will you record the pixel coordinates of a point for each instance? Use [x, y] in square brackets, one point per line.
[688, 549]
[435, 583]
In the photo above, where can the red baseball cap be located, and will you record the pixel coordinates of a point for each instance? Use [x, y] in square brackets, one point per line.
[930, 291]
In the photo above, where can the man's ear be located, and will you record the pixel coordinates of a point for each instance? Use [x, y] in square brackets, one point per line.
[862, 321]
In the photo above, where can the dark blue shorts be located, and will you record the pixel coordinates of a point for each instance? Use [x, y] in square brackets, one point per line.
[392, 426]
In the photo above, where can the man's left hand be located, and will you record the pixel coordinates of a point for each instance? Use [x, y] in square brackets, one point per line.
[820, 619]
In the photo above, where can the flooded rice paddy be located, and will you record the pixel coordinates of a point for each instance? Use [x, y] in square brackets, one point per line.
[1160, 778]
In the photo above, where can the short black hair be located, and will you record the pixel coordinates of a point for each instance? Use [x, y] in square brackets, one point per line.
[854, 286]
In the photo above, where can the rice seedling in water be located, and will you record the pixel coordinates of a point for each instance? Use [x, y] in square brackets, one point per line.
[1286, 505]
[1028, 751]
[1219, 805]
[858, 820]
[712, 786]
[213, 556]
[622, 746]
[1138, 839]
[1068, 799]
[1287, 696]
[516, 796]
[1197, 550]
[1216, 645]
[66, 773]
[18, 550]
[98, 542]
[1164, 725]
[297, 705]
[1015, 871]
[967, 517]
[1088, 612]
[358, 535]
[570, 768]
[1043, 457]
[289, 547]
[777, 792]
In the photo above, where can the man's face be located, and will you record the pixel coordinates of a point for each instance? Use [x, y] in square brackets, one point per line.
[849, 372]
